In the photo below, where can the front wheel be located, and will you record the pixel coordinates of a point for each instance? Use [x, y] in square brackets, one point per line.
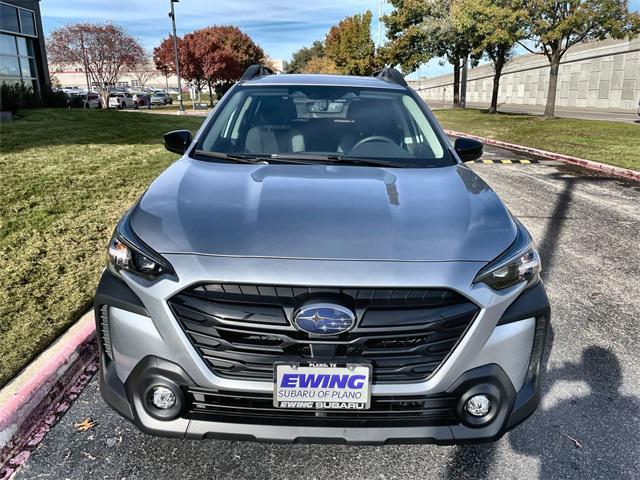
[135, 106]
[123, 106]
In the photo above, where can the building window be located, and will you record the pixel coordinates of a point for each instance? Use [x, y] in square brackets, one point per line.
[135, 83]
[27, 22]
[17, 20]
[17, 62]
[9, 18]
[122, 84]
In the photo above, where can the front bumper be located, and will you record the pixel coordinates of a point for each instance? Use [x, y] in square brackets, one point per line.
[492, 355]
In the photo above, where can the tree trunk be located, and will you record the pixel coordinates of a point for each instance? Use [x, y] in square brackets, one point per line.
[496, 87]
[210, 95]
[550, 109]
[456, 83]
[104, 96]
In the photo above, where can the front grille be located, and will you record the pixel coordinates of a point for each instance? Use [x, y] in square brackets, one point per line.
[242, 330]
[257, 408]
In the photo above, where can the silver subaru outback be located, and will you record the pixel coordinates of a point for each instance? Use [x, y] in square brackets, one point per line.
[321, 266]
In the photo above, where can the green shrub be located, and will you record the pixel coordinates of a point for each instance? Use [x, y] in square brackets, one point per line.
[16, 96]
[54, 99]
[11, 97]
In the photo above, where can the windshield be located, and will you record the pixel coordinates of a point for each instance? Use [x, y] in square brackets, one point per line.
[325, 121]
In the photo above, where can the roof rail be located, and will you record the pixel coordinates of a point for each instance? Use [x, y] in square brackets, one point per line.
[255, 71]
[389, 74]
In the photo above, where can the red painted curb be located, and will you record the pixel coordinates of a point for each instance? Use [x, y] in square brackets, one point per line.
[10, 409]
[37, 404]
[591, 165]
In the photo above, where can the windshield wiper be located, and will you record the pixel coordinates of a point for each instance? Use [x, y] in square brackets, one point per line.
[255, 158]
[302, 158]
[238, 157]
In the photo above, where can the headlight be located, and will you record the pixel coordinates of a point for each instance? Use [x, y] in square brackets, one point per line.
[519, 263]
[128, 252]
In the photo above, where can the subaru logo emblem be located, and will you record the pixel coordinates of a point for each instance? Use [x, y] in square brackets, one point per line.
[324, 319]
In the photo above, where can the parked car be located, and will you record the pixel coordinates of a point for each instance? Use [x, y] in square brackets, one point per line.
[121, 100]
[161, 98]
[142, 100]
[321, 266]
[82, 100]
[73, 90]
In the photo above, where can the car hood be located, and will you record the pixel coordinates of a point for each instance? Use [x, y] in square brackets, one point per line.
[323, 212]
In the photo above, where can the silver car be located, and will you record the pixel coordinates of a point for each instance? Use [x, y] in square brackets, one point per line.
[161, 98]
[321, 266]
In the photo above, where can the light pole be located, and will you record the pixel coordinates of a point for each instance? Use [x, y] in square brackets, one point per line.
[380, 24]
[172, 14]
[463, 83]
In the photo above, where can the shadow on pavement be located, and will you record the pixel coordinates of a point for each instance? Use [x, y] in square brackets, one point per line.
[577, 436]
[583, 436]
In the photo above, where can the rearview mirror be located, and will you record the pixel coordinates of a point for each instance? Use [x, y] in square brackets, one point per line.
[468, 149]
[177, 141]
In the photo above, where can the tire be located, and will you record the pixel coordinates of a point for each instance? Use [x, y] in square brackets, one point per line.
[123, 106]
[135, 106]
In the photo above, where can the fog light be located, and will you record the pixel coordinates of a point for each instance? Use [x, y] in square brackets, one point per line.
[163, 398]
[478, 406]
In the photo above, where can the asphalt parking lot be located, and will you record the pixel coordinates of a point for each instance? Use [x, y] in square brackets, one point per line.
[588, 425]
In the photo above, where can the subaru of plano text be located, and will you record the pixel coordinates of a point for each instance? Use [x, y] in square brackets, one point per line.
[320, 265]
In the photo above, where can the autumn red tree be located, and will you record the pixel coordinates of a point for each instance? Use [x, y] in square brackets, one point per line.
[164, 57]
[103, 51]
[191, 62]
[214, 57]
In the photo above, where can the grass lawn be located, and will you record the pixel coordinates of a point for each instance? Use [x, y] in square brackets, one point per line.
[614, 143]
[67, 176]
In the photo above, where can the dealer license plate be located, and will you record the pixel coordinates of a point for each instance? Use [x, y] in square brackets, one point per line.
[322, 386]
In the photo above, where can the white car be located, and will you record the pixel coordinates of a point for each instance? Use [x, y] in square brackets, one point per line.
[74, 90]
[122, 100]
[161, 98]
[92, 100]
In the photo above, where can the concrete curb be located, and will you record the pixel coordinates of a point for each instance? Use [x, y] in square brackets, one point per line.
[595, 166]
[33, 401]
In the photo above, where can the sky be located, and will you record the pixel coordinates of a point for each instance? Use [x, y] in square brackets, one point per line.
[280, 27]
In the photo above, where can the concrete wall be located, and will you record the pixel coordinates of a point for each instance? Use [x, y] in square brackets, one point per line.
[595, 75]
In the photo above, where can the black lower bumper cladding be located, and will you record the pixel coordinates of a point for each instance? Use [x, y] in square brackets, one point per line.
[129, 400]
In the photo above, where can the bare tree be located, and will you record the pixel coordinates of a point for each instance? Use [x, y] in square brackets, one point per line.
[144, 71]
[104, 51]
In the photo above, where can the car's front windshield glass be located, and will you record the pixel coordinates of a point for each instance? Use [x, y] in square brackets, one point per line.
[336, 122]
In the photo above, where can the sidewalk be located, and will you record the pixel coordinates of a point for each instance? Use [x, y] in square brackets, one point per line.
[564, 112]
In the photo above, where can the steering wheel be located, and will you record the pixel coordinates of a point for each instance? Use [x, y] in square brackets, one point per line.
[373, 138]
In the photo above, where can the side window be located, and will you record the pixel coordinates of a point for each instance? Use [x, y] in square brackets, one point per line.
[222, 126]
[425, 135]
[235, 133]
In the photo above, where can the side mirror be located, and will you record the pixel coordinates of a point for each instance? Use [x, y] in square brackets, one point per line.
[468, 149]
[177, 141]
